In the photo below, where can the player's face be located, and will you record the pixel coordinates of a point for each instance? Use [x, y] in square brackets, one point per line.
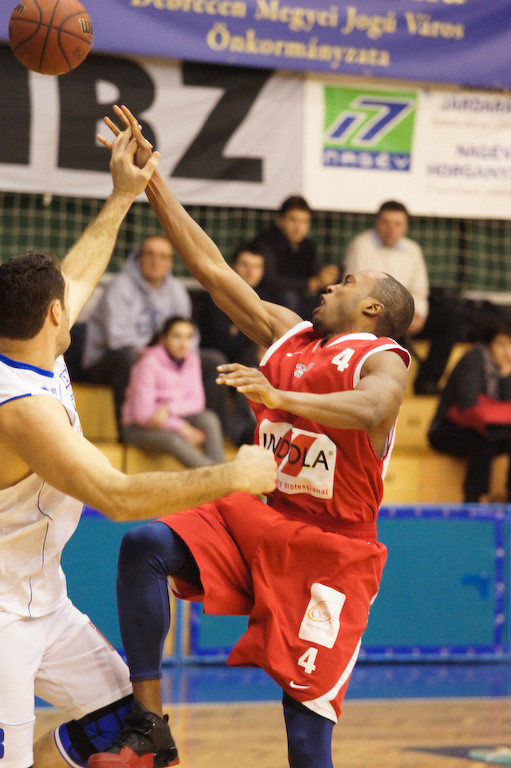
[500, 350]
[391, 226]
[155, 260]
[178, 340]
[340, 307]
[250, 266]
[295, 225]
[64, 337]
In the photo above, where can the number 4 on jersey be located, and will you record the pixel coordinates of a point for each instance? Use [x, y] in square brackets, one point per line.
[342, 360]
[307, 660]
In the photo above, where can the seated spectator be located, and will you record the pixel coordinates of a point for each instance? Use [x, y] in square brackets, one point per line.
[133, 307]
[292, 273]
[473, 418]
[164, 409]
[216, 329]
[438, 313]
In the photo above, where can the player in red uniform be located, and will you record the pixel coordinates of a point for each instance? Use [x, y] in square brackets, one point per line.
[306, 566]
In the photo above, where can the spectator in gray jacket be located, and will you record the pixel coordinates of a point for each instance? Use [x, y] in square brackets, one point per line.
[133, 307]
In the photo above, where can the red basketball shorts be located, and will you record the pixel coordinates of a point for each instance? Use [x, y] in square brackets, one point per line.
[307, 592]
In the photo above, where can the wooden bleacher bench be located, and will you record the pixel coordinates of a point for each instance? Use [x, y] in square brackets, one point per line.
[415, 416]
[137, 460]
[421, 476]
[95, 406]
[417, 473]
[424, 477]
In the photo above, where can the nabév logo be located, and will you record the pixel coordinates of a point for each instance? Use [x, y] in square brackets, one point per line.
[368, 129]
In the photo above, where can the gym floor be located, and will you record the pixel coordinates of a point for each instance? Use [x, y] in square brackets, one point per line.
[398, 715]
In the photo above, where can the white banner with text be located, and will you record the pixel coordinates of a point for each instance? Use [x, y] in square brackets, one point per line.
[227, 135]
[232, 136]
[441, 152]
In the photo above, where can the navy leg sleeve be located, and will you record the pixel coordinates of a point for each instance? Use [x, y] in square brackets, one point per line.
[148, 555]
[309, 736]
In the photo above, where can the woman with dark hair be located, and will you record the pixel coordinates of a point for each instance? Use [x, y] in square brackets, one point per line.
[473, 418]
[165, 405]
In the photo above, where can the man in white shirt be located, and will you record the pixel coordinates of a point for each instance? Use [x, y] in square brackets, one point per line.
[387, 248]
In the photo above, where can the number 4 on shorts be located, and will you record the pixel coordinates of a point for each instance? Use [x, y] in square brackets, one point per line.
[307, 660]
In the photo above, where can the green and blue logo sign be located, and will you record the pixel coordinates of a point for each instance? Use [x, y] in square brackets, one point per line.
[368, 129]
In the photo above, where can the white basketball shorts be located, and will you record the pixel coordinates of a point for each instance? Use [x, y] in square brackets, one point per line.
[63, 659]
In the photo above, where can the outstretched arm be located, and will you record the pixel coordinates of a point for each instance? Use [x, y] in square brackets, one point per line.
[373, 405]
[202, 257]
[37, 437]
[89, 257]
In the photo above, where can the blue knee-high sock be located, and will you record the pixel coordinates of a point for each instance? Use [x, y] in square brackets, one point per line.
[309, 736]
[148, 555]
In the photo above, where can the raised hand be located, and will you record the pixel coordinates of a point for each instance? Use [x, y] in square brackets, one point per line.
[127, 177]
[127, 120]
[250, 382]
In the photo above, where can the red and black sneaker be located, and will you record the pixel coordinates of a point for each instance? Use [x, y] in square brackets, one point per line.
[144, 742]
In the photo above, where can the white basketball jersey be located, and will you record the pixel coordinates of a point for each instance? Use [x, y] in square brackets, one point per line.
[36, 520]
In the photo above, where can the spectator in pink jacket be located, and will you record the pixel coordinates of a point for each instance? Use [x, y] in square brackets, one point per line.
[165, 405]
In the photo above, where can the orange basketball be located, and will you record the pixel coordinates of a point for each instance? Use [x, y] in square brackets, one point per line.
[50, 36]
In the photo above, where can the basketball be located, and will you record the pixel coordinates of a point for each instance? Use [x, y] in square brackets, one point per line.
[50, 36]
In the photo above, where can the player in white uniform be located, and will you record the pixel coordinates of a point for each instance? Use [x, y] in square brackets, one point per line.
[47, 471]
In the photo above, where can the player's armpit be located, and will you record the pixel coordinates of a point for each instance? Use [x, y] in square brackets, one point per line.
[384, 375]
[281, 318]
[387, 367]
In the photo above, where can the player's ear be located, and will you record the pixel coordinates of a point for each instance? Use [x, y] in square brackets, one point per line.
[372, 308]
[55, 311]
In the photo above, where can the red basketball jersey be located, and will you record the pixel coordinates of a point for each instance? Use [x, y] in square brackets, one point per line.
[328, 476]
